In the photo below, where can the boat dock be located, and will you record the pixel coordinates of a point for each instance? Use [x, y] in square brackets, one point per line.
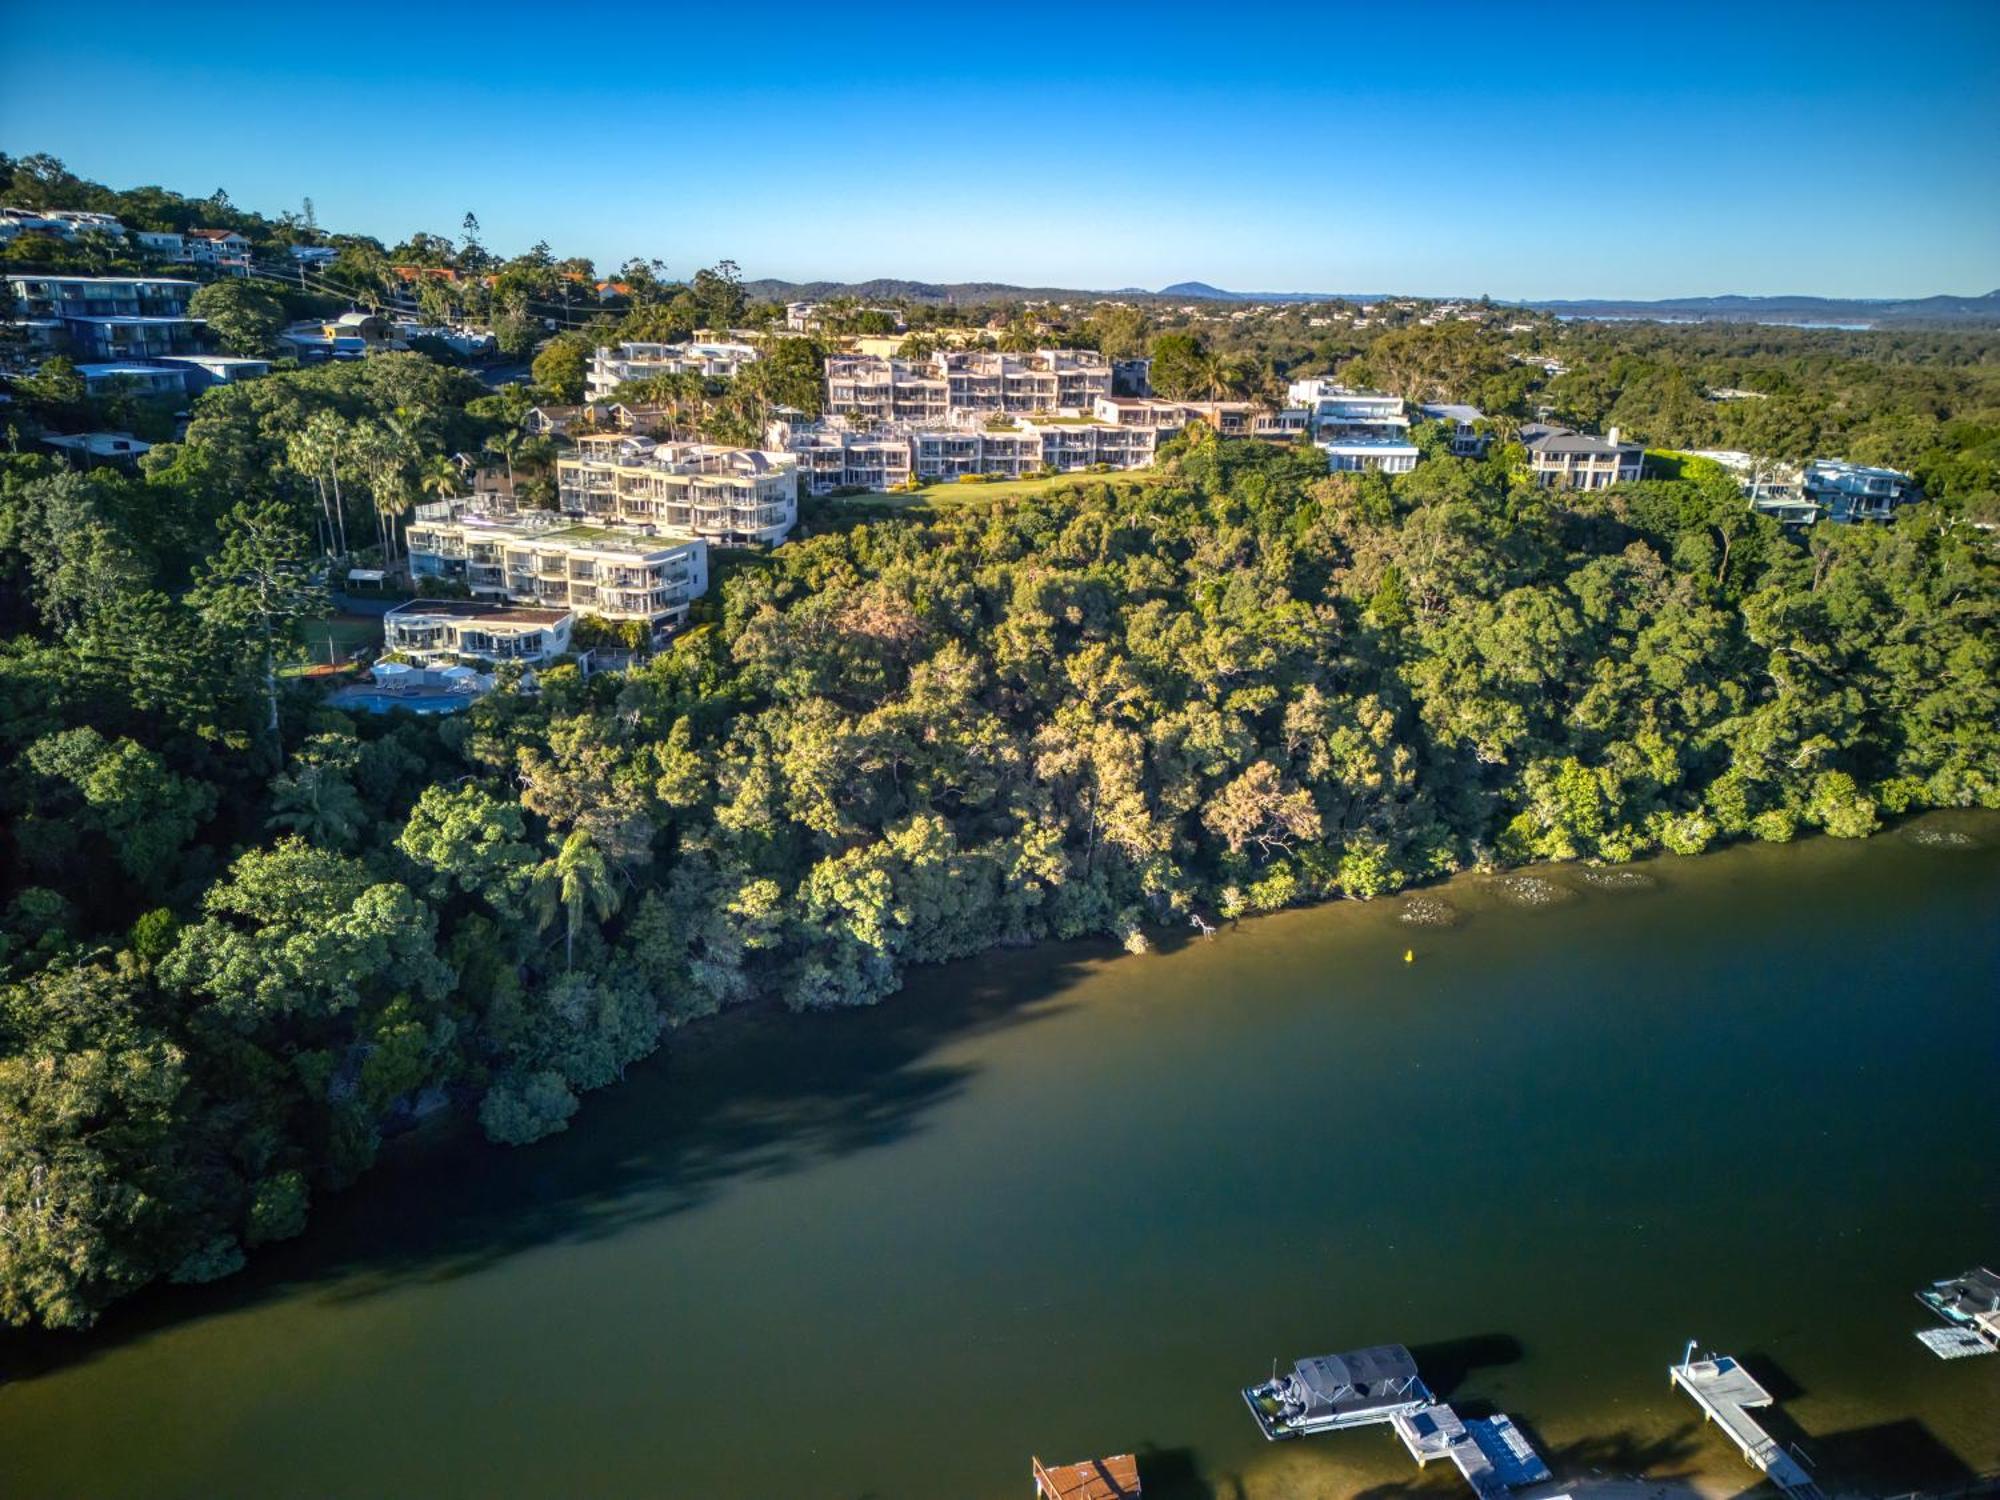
[1380, 1387]
[1726, 1393]
[1490, 1452]
[1094, 1479]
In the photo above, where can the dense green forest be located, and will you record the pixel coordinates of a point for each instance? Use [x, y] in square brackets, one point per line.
[240, 953]
[245, 938]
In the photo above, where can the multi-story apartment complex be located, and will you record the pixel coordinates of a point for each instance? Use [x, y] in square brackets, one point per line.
[868, 389]
[734, 496]
[611, 368]
[607, 572]
[1058, 445]
[430, 631]
[835, 456]
[965, 380]
[1581, 461]
[1047, 380]
[112, 317]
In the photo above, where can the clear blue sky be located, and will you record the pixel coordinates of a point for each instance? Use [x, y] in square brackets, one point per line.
[1526, 151]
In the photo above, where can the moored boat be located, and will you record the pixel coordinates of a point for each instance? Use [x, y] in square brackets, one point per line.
[1333, 1391]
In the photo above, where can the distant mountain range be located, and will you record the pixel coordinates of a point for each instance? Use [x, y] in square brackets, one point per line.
[1872, 312]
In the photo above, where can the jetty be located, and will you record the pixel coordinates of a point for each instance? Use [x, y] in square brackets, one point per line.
[1489, 1452]
[1382, 1387]
[1726, 1394]
[1969, 1304]
[1094, 1479]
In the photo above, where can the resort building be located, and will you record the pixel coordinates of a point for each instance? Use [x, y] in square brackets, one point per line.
[611, 368]
[980, 381]
[733, 496]
[1844, 492]
[868, 389]
[607, 572]
[833, 456]
[1580, 461]
[1047, 380]
[110, 318]
[430, 631]
[1059, 446]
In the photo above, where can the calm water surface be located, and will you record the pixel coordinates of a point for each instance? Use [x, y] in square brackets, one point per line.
[1065, 1203]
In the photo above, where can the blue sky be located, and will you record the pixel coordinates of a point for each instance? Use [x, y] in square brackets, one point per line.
[1526, 151]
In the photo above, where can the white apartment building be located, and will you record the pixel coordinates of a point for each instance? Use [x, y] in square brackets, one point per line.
[731, 496]
[965, 380]
[835, 457]
[1047, 380]
[1580, 461]
[433, 631]
[868, 389]
[1060, 445]
[608, 572]
[611, 368]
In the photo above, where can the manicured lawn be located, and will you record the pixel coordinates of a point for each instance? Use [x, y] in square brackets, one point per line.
[947, 494]
[347, 633]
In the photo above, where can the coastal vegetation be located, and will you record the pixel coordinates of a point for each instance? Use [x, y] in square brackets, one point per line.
[245, 937]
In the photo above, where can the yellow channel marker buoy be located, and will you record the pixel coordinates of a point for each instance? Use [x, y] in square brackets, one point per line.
[1409, 955]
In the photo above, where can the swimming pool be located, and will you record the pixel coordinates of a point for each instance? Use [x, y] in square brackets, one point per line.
[374, 701]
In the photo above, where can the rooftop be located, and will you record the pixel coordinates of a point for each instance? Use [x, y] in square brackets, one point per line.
[467, 609]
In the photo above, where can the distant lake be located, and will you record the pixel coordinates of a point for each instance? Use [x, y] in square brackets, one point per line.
[1066, 1202]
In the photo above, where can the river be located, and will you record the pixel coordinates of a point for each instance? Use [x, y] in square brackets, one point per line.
[1063, 1202]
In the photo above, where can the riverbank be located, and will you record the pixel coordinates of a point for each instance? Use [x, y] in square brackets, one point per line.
[1067, 1200]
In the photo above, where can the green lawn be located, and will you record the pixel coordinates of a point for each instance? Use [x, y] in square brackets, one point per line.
[347, 635]
[949, 493]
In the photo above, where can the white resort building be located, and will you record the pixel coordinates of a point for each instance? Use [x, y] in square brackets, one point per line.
[611, 368]
[432, 631]
[733, 496]
[546, 560]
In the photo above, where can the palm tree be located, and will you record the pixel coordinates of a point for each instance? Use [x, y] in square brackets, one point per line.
[577, 881]
[507, 443]
[328, 441]
[439, 477]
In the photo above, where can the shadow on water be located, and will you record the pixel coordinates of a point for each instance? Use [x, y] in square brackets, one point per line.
[745, 1098]
[1449, 1363]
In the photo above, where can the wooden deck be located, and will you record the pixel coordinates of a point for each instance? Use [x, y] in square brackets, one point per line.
[1094, 1479]
[1726, 1392]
